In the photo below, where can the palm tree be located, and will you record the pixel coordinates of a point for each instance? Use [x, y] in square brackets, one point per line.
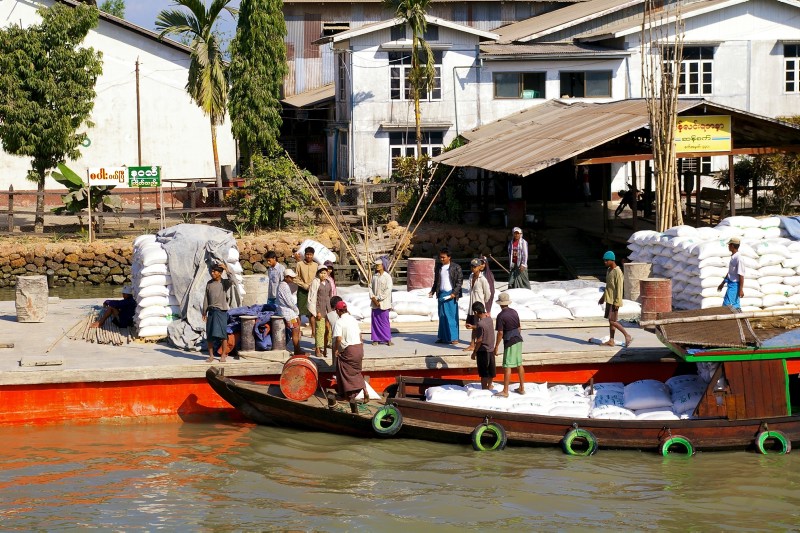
[207, 84]
[413, 12]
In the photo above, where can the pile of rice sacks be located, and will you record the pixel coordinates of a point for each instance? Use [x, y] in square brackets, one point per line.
[156, 302]
[544, 301]
[696, 260]
[646, 399]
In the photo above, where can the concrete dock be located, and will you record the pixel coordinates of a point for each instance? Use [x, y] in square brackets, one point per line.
[48, 378]
[77, 361]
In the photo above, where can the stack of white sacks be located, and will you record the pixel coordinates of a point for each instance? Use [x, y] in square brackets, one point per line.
[542, 302]
[696, 260]
[641, 400]
[152, 288]
[157, 304]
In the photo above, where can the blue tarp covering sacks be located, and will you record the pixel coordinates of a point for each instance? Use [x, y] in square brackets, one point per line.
[791, 225]
[261, 329]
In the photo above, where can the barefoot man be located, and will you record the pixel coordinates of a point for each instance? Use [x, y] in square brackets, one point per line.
[612, 297]
[508, 330]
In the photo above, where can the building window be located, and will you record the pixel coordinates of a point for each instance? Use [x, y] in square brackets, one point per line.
[696, 76]
[342, 69]
[791, 54]
[400, 73]
[431, 33]
[332, 28]
[519, 84]
[343, 159]
[404, 144]
[399, 32]
[589, 84]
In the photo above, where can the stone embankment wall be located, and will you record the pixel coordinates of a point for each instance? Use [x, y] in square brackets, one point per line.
[110, 261]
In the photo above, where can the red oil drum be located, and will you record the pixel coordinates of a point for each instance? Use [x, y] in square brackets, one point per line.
[656, 297]
[299, 378]
[420, 273]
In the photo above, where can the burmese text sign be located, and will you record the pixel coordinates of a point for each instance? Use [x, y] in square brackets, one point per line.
[710, 133]
[144, 176]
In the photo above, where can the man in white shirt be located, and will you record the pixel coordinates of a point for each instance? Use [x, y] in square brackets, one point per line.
[447, 281]
[348, 351]
[735, 277]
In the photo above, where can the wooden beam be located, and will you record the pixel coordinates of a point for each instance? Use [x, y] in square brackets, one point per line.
[756, 150]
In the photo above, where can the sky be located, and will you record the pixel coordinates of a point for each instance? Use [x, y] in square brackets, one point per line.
[144, 12]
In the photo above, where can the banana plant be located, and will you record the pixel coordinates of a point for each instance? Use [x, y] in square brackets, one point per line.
[76, 200]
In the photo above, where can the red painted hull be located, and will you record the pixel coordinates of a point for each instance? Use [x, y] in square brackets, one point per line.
[186, 398]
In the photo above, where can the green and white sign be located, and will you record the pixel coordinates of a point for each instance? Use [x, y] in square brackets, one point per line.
[144, 176]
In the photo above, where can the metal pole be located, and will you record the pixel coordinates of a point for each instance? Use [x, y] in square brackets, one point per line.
[139, 133]
[89, 202]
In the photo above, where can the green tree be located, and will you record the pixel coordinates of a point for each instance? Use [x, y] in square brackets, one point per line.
[256, 72]
[114, 7]
[273, 189]
[47, 90]
[207, 84]
[423, 72]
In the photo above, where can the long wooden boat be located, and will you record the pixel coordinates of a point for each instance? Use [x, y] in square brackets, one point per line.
[746, 405]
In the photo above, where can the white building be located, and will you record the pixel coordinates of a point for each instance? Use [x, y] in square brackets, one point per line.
[739, 53]
[175, 133]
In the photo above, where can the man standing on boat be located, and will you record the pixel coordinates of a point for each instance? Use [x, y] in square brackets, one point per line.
[483, 352]
[348, 350]
[447, 282]
[612, 297]
[509, 331]
[735, 277]
[518, 259]
[288, 309]
[380, 295]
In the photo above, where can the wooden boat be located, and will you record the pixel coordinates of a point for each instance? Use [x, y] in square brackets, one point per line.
[266, 404]
[746, 405]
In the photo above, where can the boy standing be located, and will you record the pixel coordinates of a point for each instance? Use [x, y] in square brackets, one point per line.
[306, 273]
[484, 345]
[215, 313]
[275, 272]
[508, 330]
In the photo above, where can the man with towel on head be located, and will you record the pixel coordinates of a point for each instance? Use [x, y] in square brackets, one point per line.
[120, 311]
[288, 309]
[380, 295]
[348, 352]
[735, 277]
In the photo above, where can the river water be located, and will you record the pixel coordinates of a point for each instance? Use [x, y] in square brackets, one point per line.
[236, 476]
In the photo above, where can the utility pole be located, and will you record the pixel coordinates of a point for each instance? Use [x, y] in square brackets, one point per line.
[139, 133]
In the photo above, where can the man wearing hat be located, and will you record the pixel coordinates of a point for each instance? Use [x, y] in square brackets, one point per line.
[735, 277]
[288, 309]
[509, 331]
[380, 296]
[348, 351]
[215, 312]
[612, 297]
[518, 259]
[120, 311]
[319, 305]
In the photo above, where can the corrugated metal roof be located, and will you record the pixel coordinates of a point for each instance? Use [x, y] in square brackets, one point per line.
[634, 24]
[549, 133]
[558, 130]
[549, 50]
[559, 19]
[312, 97]
[382, 25]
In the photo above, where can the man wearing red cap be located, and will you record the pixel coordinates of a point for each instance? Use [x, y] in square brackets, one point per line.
[348, 352]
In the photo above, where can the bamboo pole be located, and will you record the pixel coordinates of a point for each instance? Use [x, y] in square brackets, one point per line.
[408, 234]
[748, 314]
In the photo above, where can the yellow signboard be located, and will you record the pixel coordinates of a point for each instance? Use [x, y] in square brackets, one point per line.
[709, 133]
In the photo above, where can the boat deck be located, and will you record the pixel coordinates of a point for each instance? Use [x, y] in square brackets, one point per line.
[76, 361]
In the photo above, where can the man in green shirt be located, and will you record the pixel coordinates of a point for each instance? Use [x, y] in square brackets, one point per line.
[612, 297]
